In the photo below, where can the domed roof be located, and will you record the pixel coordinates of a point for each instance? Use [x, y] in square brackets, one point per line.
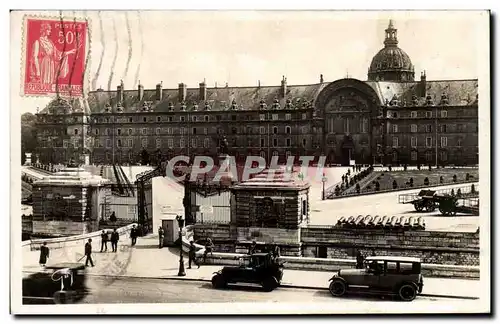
[391, 63]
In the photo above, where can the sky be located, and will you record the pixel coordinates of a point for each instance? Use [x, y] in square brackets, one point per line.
[243, 47]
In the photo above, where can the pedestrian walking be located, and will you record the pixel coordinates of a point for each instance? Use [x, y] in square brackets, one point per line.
[115, 237]
[104, 241]
[133, 235]
[275, 251]
[252, 248]
[359, 260]
[88, 253]
[209, 248]
[161, 234]
[44, 254]
[192, 255]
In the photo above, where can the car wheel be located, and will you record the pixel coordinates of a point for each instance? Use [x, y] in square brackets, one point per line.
[218, 282]
[407, 292]
[338, 288]
[269, 284]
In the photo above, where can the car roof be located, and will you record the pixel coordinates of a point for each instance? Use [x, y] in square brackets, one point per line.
[64, 265]
[393, 258]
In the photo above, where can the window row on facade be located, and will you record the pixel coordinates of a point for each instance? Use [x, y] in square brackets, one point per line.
[429, 141]
[432, 113]
[429, 128]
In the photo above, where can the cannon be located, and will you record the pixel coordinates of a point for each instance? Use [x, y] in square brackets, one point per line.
[424, 200]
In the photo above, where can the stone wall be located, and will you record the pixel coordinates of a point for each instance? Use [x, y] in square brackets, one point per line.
[432, 247]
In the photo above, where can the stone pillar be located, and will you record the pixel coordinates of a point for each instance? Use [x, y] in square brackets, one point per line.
[27, 161]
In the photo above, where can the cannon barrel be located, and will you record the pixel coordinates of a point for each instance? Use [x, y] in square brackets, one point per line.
[374, 220]
[384, 221]
[421, 222]
[392, 221]
[368, 220]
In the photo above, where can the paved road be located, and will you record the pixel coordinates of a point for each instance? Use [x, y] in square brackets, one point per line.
[134, 290]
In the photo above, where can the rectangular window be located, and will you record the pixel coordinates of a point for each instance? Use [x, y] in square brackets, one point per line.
[275, 116]
[119, 143]
[158, 118]
[144, 119]
[428, 128]
[182, 143]
[262, 142]
[444, 156]
[413, 155]
[413, 128]
[193, 142]
[158, 143]
[194, 130]
[413, 114]
[395, 142]
[275, 142]
[106, 131]
[262, 116]
[444, 113]
[144, 142]
[288, 130]
[130, 143]
[144, 131]
[206, 118]
[394, 128]
[275, 130]
[205, 131]
[288, 142]
[413, 142]
[108, 143]
[158, 131]
[130, 131]
[130, 119]
[170, 118]
[443, 128]
[206, 142]
[170, 143]
[428, 156]
[428, 114]
[262, 130]
[428, 142]
[304, 142]
[444, 141]
[97, 131]
[183, 119]
[288, 116]
[194, 118]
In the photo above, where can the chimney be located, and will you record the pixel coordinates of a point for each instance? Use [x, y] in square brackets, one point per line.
[182, 92]
[203, 91]
[283, 87]
[140, 91]
[119, 92]
[159, 92]
[423, 84]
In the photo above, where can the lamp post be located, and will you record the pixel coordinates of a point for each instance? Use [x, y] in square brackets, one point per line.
[324, 179]
[182, 272]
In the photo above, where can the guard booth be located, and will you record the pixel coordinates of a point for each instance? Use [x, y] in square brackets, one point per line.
[170, 228]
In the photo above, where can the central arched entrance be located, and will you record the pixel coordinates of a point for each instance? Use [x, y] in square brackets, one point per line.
[347, 150]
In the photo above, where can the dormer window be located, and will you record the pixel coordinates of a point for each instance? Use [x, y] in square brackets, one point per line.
[107, 108]
[183, 106]
[145, 106]
[263, 104]
[289, 104]
[414, 100]
[207, 105]
[428, 100]
[234, 106]
[444, 99]
[276, 104]
[195, 107]
[170, 106]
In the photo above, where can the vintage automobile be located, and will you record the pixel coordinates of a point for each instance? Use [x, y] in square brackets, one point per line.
[61, 283]
[381, 275]
[258, 268]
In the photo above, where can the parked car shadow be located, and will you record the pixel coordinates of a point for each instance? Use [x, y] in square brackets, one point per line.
[355, 296]
[235, 287]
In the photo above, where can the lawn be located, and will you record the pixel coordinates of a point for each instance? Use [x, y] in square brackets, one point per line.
[402, 178]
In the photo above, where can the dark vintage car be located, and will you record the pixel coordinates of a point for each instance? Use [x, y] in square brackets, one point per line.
[258, 268]
[60, 283]
[381, 275]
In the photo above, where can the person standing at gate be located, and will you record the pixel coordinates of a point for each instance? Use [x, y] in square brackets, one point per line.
[161, 234]
[44, 254]
[104, 241]
[88, 253]
[115, 237]
[133, 235]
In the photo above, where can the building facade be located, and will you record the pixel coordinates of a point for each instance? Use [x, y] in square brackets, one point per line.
[391, 118]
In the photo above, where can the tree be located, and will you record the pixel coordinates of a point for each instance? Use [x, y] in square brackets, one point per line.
[467, 176]
[426, 181]
[144, 157]
[28, 135]
[441, 180]
[394, 184]
[454, 178]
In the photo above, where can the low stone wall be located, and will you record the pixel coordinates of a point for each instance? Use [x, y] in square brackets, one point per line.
[72, 241]
[460, 248]
[319, 264]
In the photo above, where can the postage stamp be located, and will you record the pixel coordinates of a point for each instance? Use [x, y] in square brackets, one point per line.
[53, 61]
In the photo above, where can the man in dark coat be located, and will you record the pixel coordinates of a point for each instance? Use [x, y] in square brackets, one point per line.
[252, 248]
[192, 255]
[115, 237]
[88, 252]
[44, 254]
[133, 235]
[104, 241]
[209, 248]
[161, 234]
[275, 251]
[359, 260]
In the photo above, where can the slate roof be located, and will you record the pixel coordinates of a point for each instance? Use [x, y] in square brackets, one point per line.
[457, 92]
